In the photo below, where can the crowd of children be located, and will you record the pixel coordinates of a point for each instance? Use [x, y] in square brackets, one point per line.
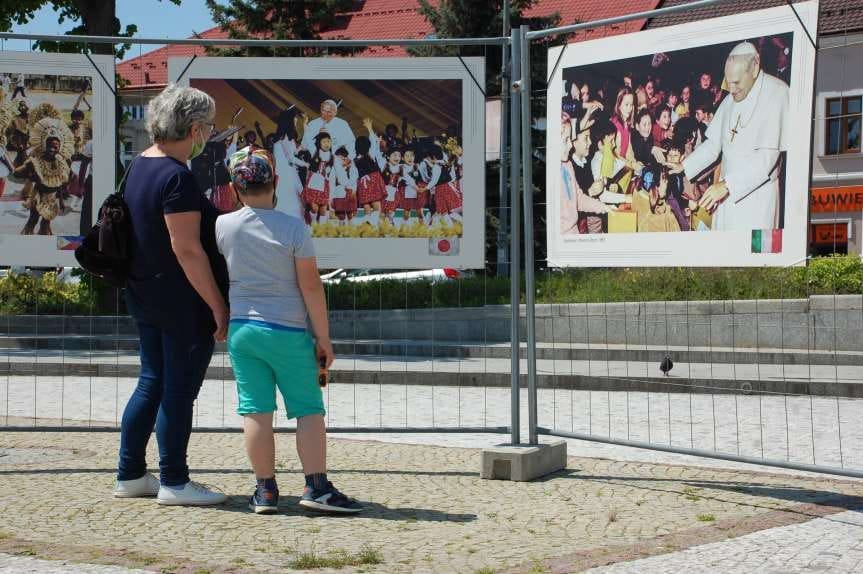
[623, 133]
[370, 185]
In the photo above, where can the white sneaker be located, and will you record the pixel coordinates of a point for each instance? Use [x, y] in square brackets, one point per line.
[190, 494]
[147, 485]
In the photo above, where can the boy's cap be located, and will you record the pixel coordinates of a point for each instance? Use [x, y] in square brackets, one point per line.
[250, 166]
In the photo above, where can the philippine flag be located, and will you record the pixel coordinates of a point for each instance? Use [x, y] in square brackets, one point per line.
[68, 242]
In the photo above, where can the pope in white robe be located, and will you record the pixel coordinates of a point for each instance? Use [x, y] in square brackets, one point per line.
[339, 130]
[749, 130]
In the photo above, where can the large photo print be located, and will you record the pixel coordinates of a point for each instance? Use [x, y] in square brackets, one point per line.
[56, 154]
[386, 171]
[683, 155]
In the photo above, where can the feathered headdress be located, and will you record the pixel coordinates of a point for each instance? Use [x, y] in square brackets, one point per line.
[47, 128]
[43, 110]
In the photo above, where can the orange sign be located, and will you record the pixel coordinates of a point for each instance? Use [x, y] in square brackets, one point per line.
[836, 199]
[830, 233]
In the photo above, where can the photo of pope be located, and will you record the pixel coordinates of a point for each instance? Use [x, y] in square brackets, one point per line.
[686, 140]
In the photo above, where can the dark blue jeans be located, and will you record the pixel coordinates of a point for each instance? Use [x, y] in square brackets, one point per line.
[173, 366]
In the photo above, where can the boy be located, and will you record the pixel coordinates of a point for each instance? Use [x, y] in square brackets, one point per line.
[274, 288]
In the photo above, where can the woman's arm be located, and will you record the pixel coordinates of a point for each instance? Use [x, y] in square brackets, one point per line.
[185, 231]
[313, 294]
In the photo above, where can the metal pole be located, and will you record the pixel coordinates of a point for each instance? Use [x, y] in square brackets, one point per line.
[515, 237]
[239, 42]
[705, 453]
[503, 230]
[527, 196]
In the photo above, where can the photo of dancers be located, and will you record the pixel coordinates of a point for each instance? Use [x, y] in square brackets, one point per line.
[354, 158]
[46, 154]
[686, 140]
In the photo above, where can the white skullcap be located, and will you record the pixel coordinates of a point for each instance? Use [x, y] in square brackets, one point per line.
[331, 102]
[744, 49]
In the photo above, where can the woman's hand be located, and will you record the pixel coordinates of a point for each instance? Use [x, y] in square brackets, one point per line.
[221, 318]
[324, 348]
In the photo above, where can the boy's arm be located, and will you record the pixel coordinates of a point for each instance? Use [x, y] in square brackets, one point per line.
[313, 295]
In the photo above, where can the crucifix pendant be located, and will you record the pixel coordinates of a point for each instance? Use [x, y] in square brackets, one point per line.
[734, 129]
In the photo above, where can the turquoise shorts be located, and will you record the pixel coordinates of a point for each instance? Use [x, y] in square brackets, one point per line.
[265, 356]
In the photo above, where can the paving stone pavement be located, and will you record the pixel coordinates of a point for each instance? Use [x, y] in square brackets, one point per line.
[814, 430]
[427, 509]
[832, 545]
[10, 564]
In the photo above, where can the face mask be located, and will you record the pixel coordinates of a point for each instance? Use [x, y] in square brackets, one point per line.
[197, 148]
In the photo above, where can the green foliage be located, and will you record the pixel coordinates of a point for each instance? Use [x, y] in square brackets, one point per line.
[96, 17]
[27, 294]
[276, 20]
[838, 275]
[336, 559]
[471, 19]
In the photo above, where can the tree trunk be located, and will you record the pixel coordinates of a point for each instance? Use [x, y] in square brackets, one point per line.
[100, 19]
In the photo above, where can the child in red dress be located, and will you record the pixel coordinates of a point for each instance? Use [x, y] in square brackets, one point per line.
[316, 193]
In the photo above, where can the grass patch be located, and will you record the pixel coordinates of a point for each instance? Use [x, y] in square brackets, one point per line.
[338, 559]
[491, 514]
[692, 498]
[485, 570]
[706, 518]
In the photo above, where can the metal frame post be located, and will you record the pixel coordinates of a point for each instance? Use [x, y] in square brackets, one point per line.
[515, 237]
[527, 196]
[503, 264]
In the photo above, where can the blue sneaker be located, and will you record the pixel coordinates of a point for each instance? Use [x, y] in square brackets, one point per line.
[264, 500]
[329, 500]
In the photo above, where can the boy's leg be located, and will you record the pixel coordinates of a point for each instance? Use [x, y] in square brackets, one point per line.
[260, 443]
[312, 444]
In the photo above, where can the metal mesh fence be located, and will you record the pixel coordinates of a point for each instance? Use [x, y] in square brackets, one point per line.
[412, 354]
[766, 361]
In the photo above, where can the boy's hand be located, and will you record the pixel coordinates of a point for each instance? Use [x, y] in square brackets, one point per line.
[324, 348]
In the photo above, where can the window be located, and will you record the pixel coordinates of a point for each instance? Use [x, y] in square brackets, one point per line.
[843, 125]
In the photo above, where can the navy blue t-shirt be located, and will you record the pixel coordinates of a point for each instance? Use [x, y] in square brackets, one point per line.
[157, 288]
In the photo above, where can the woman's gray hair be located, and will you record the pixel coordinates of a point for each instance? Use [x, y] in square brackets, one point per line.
[172, 113]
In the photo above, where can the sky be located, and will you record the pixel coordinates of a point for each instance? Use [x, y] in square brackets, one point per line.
[154, 18]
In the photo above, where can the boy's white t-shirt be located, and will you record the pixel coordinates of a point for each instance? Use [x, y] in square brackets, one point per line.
[260, 246]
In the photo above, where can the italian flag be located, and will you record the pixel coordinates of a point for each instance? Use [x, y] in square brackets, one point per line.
[766, 241]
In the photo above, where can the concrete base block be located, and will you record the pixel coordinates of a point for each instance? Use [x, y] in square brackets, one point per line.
[522, 462]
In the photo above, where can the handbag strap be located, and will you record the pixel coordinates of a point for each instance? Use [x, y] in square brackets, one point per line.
[121, 187]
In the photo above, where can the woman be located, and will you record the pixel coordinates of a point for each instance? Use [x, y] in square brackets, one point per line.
[285, 150]
[623, 120]
[662, 128]
[574, 202]
[176, 292]
[275, 288]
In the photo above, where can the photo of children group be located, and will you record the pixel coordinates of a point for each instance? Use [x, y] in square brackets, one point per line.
[46, 154]
[687, 140]
[354, 158]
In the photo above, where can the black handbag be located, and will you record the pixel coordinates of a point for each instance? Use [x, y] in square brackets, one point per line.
[104, 252]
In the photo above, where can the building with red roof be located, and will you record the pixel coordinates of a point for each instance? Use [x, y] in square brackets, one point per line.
[379, 19]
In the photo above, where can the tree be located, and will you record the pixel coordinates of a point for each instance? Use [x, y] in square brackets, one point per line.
[96, 17]
[471, 19]
[277, 20]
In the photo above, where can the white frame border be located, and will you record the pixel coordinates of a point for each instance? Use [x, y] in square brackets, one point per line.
[385, 253]
[41, 250]
[700, 249]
